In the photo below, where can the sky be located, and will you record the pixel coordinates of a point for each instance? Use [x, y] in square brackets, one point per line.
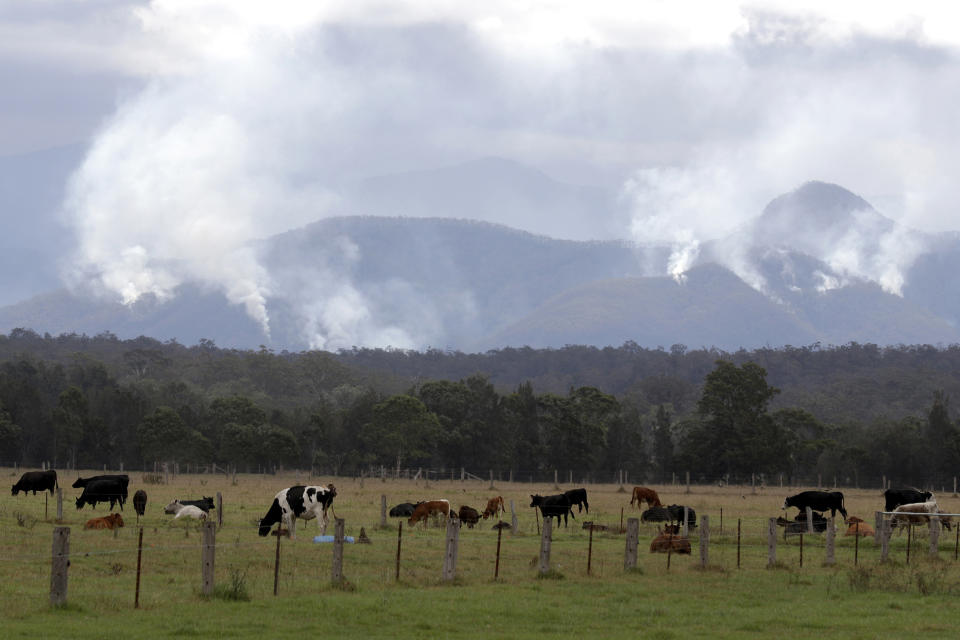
[257, 116]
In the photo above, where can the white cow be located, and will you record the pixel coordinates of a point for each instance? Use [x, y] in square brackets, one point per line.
[300, 501]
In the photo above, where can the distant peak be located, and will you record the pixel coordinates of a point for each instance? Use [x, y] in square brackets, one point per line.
[822, 199]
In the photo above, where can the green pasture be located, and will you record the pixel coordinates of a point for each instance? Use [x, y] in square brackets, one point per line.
[871, 600]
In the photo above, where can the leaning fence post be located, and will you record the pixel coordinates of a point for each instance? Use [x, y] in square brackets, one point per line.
[276, 565]
[704, 541]
[771, 542]
[545, 546]
[207, 556]
[59, 564]
[633, 533]
[450, 557]
[399, 540]
[219, 510]
[136, 595]
[590, 550]
[336, 567]
[831, 534]
[496, 568]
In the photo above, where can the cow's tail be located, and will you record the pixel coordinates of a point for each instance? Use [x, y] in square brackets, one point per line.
[274, 515]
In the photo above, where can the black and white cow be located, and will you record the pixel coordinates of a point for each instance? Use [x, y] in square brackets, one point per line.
[893, 498]
[817, 501]
[112, 489]
[36, 481]
[205, 504]
[300, 501]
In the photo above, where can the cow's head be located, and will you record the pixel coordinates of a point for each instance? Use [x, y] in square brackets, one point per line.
[787, 503]
[15, 490]
[80, 502]
[117, 520]
[333, 490]
[536, 500]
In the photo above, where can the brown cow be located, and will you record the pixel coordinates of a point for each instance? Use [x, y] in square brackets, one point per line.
[669, 541]
[112, 521]
[857, 527]
[426, 509]
[643, 494]
[494, 505]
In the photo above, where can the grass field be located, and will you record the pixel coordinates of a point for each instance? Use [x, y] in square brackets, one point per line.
[872, 600]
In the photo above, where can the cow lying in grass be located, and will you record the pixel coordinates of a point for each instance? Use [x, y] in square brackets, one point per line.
[113, 521]
[857, 527]
[670, 541]
[181, 510]
[918, 513]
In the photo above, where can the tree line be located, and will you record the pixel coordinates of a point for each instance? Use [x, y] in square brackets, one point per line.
[80, 401]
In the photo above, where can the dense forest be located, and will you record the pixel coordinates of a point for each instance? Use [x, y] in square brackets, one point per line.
[853, 412]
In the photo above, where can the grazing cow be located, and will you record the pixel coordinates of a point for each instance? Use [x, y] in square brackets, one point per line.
[918, 513]
[140, 503]
[578, 497]
[403, 510]
[468, 515]
[112, 489]
[857, 527]
[817, 501]
[112, 521]
[494, 506]
[893, 498]
[298, 502]
[205, 503]
[670, 542]
[643, 494]
[553, 507]
[36, 481]
[424, 510]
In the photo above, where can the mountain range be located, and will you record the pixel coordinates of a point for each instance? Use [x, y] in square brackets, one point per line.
[414, 269]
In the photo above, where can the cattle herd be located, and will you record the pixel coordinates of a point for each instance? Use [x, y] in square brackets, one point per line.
[905, 506]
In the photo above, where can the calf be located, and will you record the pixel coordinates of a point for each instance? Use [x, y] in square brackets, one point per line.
[670, 542]
[656, 514]
[426, 509]
[578, 497]
[494, 506]
[112, 521]
[643, 494]
[553, 506]
[857, 527]
[140, 502]
[298, 502]
[468, 515]
[36, 481]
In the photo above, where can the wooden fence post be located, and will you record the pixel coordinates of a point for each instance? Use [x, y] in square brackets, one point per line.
[136, 595]
[59, 564]
[383, 510]
[514, 525]
[810, 520]
[491, 479]
[633, 534]
[685, 529]
[208, 557]
[884, 539]
[771, 542]
[450, 556]
[738, 543]
[878, 527]
[219, 510]
[934, 536]
[336, 567]
[59, 504]
[545, 546]
[831, 534]
[704, 541]
[399, 540]
[590, 550]
[688, 482]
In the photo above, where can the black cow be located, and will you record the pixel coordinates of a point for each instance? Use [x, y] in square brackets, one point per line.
[36, 481]
[205, 503]
[553, 507]
[578, 497]
[817, 501]
[123, 479]
[403, 510]
[676, 515]
[895, 497]
[468, 516]
[112, 489]
[140, 502]
[656, 514]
